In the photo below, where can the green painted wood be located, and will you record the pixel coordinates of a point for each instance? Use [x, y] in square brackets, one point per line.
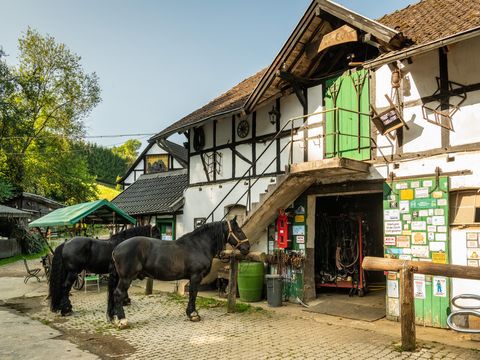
[348, 133]
[432, 310]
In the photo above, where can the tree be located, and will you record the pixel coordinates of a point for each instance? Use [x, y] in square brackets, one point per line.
[42, 106]
[128, 150]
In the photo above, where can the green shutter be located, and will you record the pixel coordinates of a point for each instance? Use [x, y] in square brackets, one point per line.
[348, 132]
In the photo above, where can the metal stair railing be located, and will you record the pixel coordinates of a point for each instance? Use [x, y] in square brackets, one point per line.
[293, 131]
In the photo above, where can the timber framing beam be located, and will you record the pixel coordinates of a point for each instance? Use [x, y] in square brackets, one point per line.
[298, 84]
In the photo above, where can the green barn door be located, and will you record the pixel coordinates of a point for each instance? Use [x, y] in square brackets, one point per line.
[347, 131]
[416, 228]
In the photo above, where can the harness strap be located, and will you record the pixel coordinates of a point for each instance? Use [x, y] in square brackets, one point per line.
[232, 234]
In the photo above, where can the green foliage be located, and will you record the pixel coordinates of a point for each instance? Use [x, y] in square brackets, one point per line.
[106, 192]
[6, 190]
[128, 150]
[42, 106]
[103, 163]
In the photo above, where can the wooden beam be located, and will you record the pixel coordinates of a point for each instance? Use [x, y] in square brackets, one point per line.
[251, 256]
[422, 267]
[236, 152]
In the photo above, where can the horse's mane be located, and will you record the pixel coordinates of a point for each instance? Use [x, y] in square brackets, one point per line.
[128, 233]
[214, 229]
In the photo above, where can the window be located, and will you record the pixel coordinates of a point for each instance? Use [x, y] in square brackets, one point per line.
[465, 207]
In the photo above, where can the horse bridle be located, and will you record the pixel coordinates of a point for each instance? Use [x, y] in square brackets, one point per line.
[232, 234]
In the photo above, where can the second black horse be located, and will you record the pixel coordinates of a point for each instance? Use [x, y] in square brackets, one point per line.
[189, 257]
[83, 253]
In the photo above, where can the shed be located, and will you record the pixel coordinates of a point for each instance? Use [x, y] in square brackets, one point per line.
[95, 212]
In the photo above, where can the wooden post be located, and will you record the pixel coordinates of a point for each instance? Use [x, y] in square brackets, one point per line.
[232, 285]
[149, 287]
[407, 308]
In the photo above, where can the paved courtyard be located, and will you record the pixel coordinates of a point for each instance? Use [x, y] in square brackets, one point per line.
[160, 329]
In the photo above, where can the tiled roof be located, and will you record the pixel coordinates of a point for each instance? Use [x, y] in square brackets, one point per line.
[233, 99]
[430, 20]
[179, 152]
[7, 211]
[153, 193]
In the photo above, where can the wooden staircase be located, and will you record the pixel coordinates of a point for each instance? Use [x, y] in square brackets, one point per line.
[291, 185]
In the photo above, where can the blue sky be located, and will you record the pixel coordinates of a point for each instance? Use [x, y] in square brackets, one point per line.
[160, 60]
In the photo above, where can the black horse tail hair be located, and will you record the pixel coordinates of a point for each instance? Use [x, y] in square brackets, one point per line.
[112, 284]
[57, 279]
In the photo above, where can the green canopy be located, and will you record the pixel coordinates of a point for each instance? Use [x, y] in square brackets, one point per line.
[95, 212]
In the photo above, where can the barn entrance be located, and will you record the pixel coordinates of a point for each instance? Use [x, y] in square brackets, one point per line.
[348, 228]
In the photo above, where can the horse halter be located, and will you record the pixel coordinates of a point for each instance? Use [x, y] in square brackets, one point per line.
[232, 234]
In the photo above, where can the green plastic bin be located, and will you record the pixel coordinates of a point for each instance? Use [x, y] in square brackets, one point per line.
[250, 281]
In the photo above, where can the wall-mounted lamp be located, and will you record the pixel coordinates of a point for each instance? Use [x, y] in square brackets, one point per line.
[274, 115]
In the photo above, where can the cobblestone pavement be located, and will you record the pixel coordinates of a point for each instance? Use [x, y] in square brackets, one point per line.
[160, 329]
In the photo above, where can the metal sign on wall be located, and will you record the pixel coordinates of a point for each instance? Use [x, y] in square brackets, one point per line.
[416, 228]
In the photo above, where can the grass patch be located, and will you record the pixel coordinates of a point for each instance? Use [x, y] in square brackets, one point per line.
[16, 258]
[210, 303]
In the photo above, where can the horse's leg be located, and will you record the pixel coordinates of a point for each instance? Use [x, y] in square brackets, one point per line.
[119, 295]
[66, 305]
[193, 290]
[127, 301]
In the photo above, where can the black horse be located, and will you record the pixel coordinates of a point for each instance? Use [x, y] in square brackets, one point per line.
[83, 253]
[189, 257]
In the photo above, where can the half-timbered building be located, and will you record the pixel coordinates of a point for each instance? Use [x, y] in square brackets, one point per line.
[365, 133]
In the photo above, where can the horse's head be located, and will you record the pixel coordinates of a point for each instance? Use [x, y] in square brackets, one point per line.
[236, 237]
[155, 232]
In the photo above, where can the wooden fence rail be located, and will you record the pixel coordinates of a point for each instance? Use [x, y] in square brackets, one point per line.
[406, 269]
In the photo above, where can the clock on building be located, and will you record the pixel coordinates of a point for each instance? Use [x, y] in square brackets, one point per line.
[243, 128]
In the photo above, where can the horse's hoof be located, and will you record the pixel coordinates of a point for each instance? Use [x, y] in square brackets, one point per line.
[122, 324]
[67, 313]
[195, 317]
[127, 302]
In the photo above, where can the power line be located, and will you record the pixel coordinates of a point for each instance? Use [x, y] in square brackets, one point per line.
[84, 137]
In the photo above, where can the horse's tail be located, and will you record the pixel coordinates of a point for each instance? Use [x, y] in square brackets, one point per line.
[112, 284]
[57, 279]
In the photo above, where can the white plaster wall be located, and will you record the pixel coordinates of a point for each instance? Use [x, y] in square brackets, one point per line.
[197, 173]
[155, 149]
[199, 203]
[416, 167]
[463, 64]
[241, 166]
[458, 255]
[130, 179]
[179, 226]
[176, 164]
[224, 131]
[315, 146]
[264, 126]
[421, 75]
[140, 165]
[284, 155]
[466, 121]
[208, 129]
[225, 167]
[267, 158]
[290, 107]
[422, 135]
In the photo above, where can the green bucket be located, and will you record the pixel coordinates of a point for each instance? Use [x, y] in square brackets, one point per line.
[250, 281]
